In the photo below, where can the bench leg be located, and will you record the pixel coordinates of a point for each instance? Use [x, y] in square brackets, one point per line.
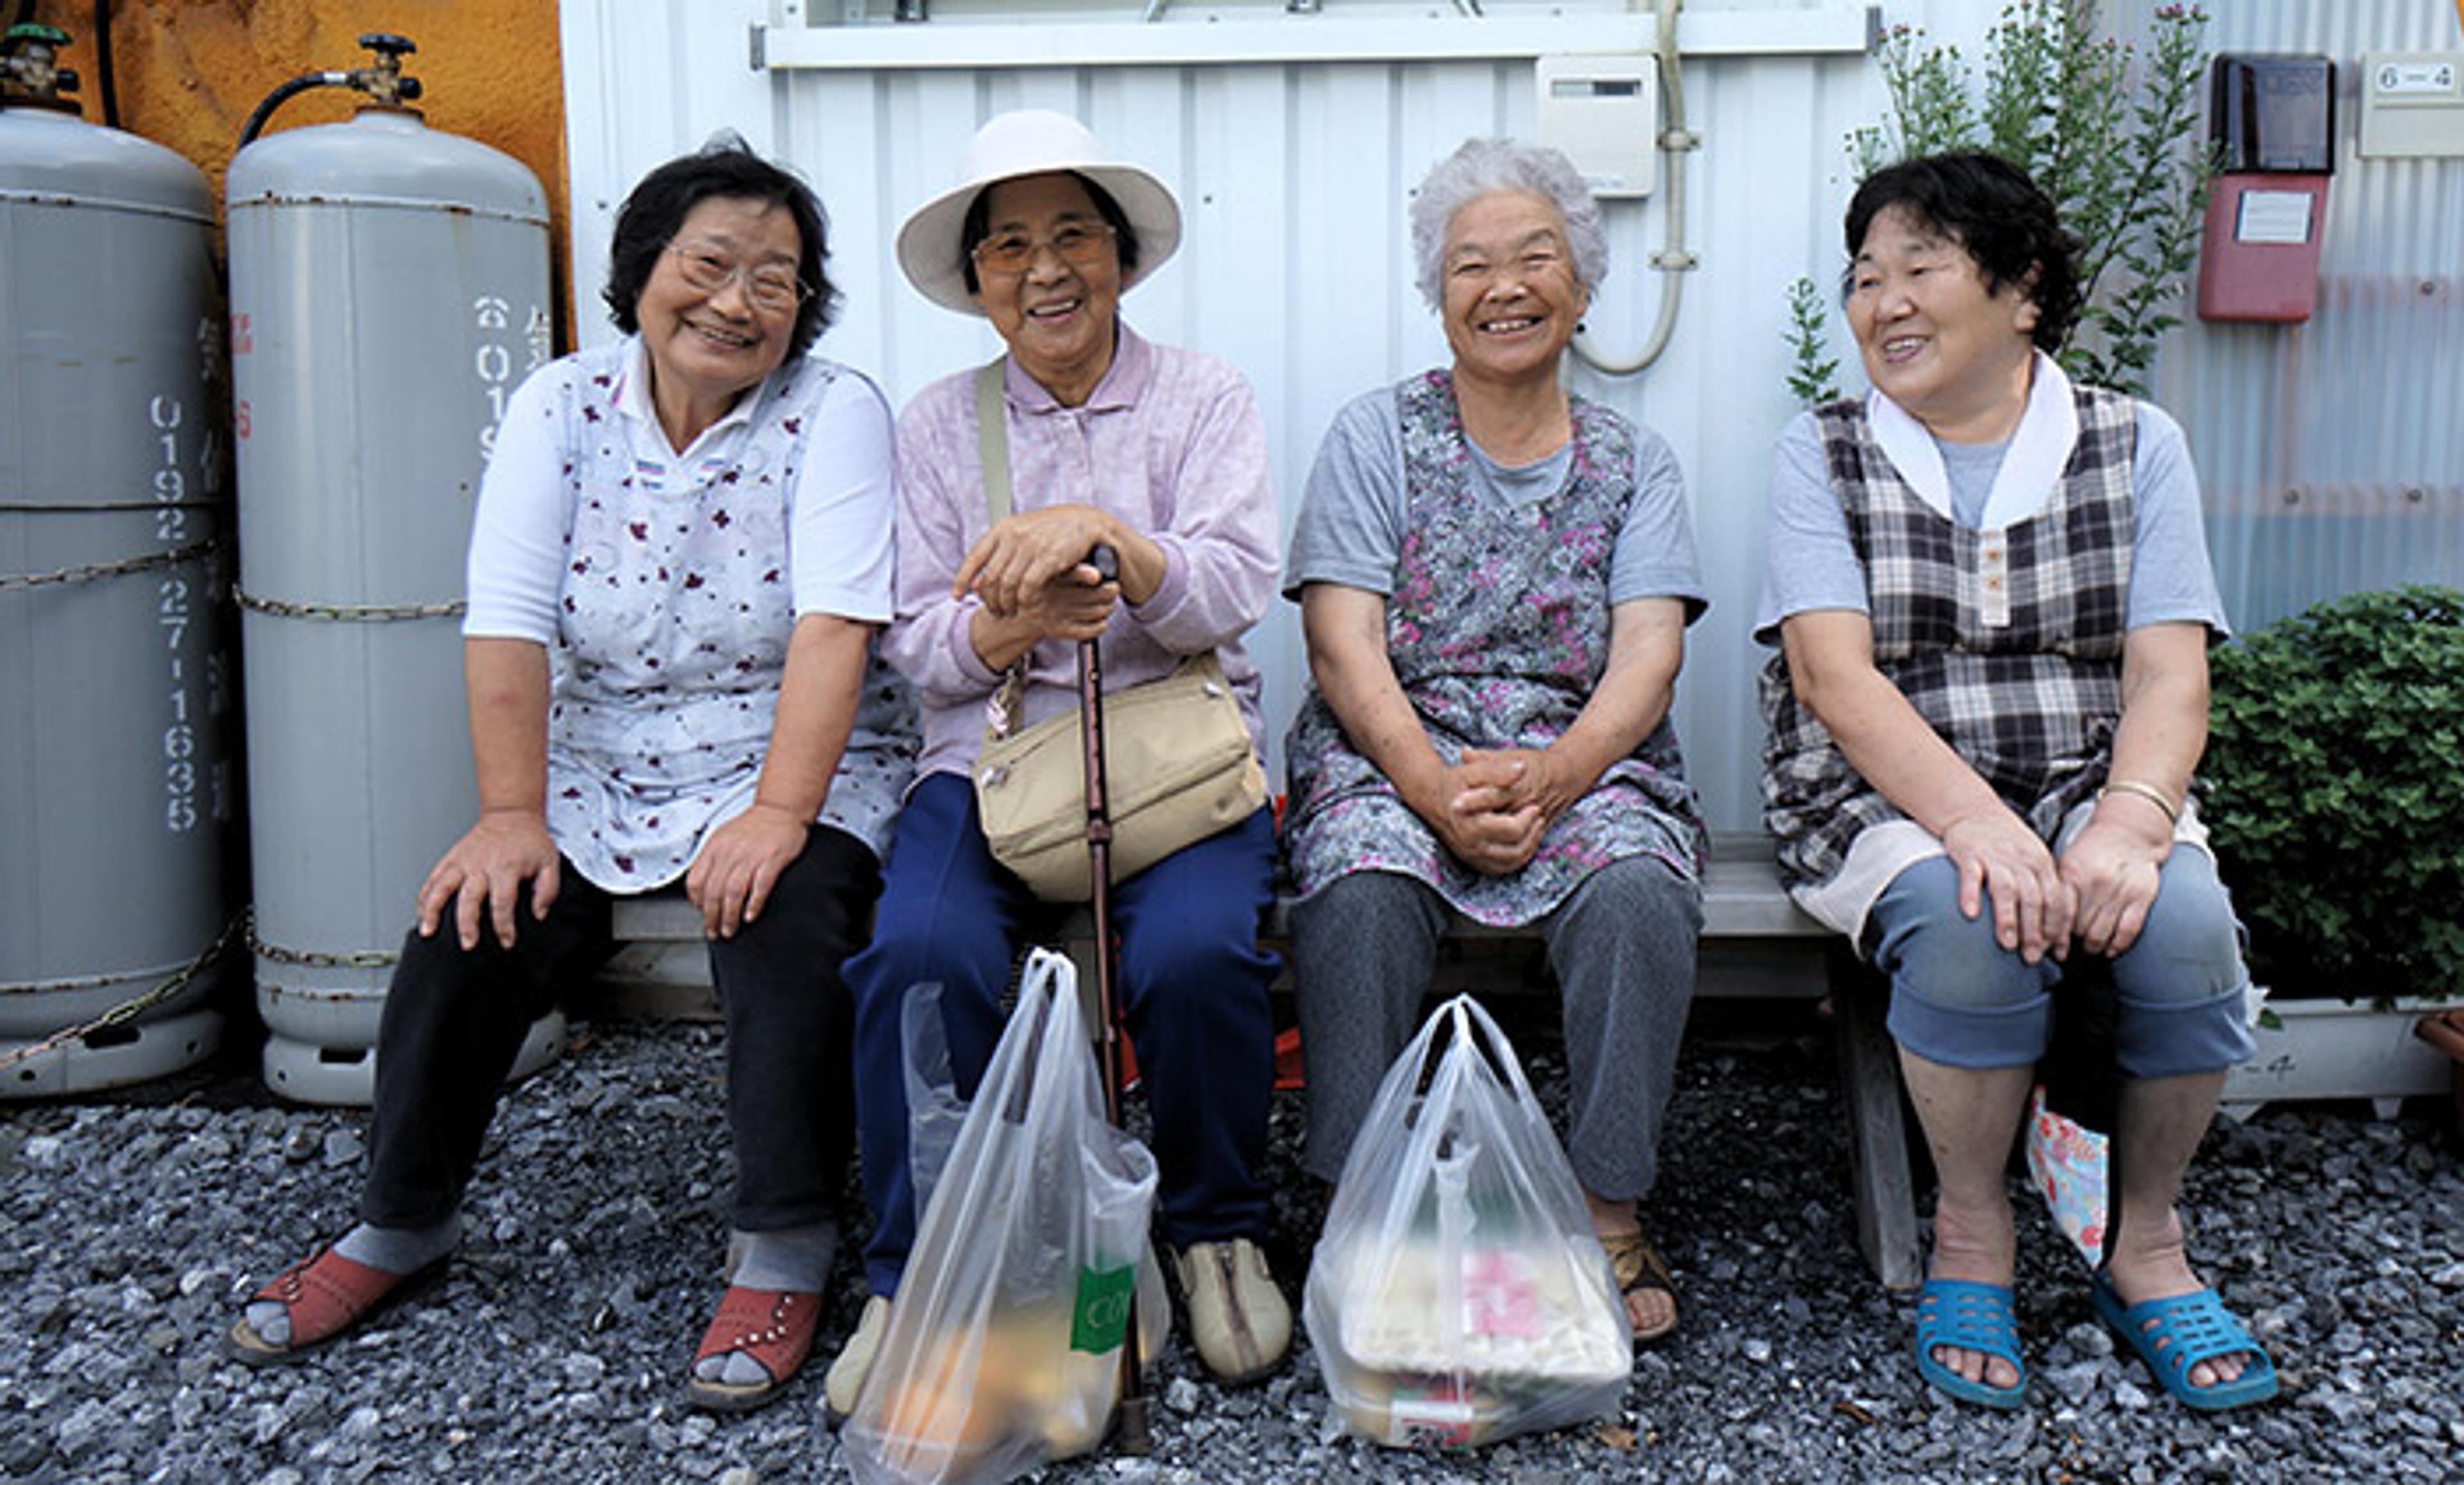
[1878, 1143]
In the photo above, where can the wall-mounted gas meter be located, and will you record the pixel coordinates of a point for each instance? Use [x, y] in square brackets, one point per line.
[1604, 112]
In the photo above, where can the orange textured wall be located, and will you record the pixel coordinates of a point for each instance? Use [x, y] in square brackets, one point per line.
[189, 73]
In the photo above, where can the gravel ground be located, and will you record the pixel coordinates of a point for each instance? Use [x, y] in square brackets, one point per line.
[131, 1227]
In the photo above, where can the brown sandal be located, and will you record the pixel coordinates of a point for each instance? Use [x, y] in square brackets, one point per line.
[774, 1328]
[328, 1297]
[1638, 1265]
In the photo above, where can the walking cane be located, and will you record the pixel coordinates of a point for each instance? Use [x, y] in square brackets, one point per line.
[1132, 1436]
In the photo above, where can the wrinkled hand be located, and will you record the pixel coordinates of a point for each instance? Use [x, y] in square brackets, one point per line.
[730, 880]
[1995, 851]
[484, 873]
[2113, 872]
[1075, 605]
[1024, 555]
[1535, 775]
[1475, 817]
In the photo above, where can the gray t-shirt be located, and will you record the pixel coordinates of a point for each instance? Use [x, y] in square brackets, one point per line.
[1811, 564]
[1352, 520]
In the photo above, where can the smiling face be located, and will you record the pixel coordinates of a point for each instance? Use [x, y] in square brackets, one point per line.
[708, 347]
[1934, 339]
[1059, 317]
[1511, 297]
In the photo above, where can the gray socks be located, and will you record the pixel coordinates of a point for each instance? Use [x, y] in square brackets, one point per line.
[396, 1250]
[794, 1259]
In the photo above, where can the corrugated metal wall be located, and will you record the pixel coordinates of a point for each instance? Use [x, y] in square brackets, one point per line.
[2333, 451]
[1293, 175]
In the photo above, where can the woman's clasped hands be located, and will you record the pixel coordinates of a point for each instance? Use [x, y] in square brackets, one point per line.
[1494, 805]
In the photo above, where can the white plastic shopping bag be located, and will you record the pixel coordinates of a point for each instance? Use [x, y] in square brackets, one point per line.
[1003, 1348]
[935, 1111]
[1458, 1295]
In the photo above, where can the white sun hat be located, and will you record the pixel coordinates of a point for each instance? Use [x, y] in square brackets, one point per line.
[1030, 142]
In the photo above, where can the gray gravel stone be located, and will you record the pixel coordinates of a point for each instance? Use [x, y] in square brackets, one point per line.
[131, 1230]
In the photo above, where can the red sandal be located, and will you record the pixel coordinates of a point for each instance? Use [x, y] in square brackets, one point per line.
[774, 1328]
[328, 1297]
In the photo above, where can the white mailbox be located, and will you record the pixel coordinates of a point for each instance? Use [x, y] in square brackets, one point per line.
[2412, 103]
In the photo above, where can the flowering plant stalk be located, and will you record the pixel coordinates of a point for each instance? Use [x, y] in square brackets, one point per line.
[2108, 132]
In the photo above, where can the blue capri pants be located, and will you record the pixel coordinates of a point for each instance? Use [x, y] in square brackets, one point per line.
[1959, 998]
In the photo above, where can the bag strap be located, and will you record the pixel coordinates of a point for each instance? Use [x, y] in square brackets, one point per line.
[992, 441]
[992, 437]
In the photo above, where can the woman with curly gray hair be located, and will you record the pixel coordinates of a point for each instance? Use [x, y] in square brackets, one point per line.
[1495, 578]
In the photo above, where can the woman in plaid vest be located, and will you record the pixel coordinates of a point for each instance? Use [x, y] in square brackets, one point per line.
[1991, 602]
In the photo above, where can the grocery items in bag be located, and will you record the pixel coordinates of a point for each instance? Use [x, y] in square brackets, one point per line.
[1004, 1346]
[1458, 1295]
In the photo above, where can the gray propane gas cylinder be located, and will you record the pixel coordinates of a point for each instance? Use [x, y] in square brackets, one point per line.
[114, 788]
[389, 289]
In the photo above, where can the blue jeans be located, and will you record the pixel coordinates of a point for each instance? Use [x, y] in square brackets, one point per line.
[1959, 998]
[1192, 985]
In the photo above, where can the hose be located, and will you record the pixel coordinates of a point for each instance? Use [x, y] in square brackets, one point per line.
[103, 62]
[285, 94]
[1672, 260]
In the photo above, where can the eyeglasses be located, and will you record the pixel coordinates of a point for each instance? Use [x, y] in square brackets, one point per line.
[1008, 254]
[772, 288]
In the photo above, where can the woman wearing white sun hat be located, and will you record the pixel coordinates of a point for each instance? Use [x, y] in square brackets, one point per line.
[1160, 455]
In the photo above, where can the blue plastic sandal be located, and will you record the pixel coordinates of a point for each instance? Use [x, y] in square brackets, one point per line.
[1970, 1316]
[2174, 1335]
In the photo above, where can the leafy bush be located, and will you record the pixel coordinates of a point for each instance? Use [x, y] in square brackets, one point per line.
[2335, 775]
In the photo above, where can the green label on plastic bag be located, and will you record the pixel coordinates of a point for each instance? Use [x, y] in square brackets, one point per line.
[1101, 1320]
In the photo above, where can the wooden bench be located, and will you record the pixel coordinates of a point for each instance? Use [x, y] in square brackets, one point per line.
[1756, 944]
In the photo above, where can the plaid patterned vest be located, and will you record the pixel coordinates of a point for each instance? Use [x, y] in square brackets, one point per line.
[2007, 642]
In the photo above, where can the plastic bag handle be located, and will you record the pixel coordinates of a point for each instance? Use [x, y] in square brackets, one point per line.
[1466, 1015]
[1049, 990]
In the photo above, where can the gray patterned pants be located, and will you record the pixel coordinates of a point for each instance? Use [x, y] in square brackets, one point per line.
[1624, 952]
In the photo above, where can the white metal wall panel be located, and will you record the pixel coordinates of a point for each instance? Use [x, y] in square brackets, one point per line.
[2333, 451]
[1293, 177]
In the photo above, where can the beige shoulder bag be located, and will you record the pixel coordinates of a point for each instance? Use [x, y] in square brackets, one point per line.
[1177, 762]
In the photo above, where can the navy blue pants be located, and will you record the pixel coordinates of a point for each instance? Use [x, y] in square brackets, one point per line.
[1192, 986]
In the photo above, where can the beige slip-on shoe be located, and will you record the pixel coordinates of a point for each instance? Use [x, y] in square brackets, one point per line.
[844, 1383]
[1238, 1319]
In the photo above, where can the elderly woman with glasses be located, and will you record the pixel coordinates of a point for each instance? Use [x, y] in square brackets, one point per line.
[681, 554]
[1990, 595]
[1160, 455]
[1495, 578]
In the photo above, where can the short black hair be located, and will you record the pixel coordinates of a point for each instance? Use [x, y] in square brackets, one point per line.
[725, 167]
[1997, 214]
[978, 226]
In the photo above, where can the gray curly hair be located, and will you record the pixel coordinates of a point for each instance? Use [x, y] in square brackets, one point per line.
[1482, 165]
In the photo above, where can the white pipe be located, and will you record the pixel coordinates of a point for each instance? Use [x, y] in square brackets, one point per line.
[1822, 28]
[1673, 260]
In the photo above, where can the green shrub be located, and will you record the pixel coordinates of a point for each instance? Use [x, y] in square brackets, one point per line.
[2335, 787]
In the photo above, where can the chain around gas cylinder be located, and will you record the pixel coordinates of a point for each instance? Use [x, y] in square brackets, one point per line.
[127, 1009]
